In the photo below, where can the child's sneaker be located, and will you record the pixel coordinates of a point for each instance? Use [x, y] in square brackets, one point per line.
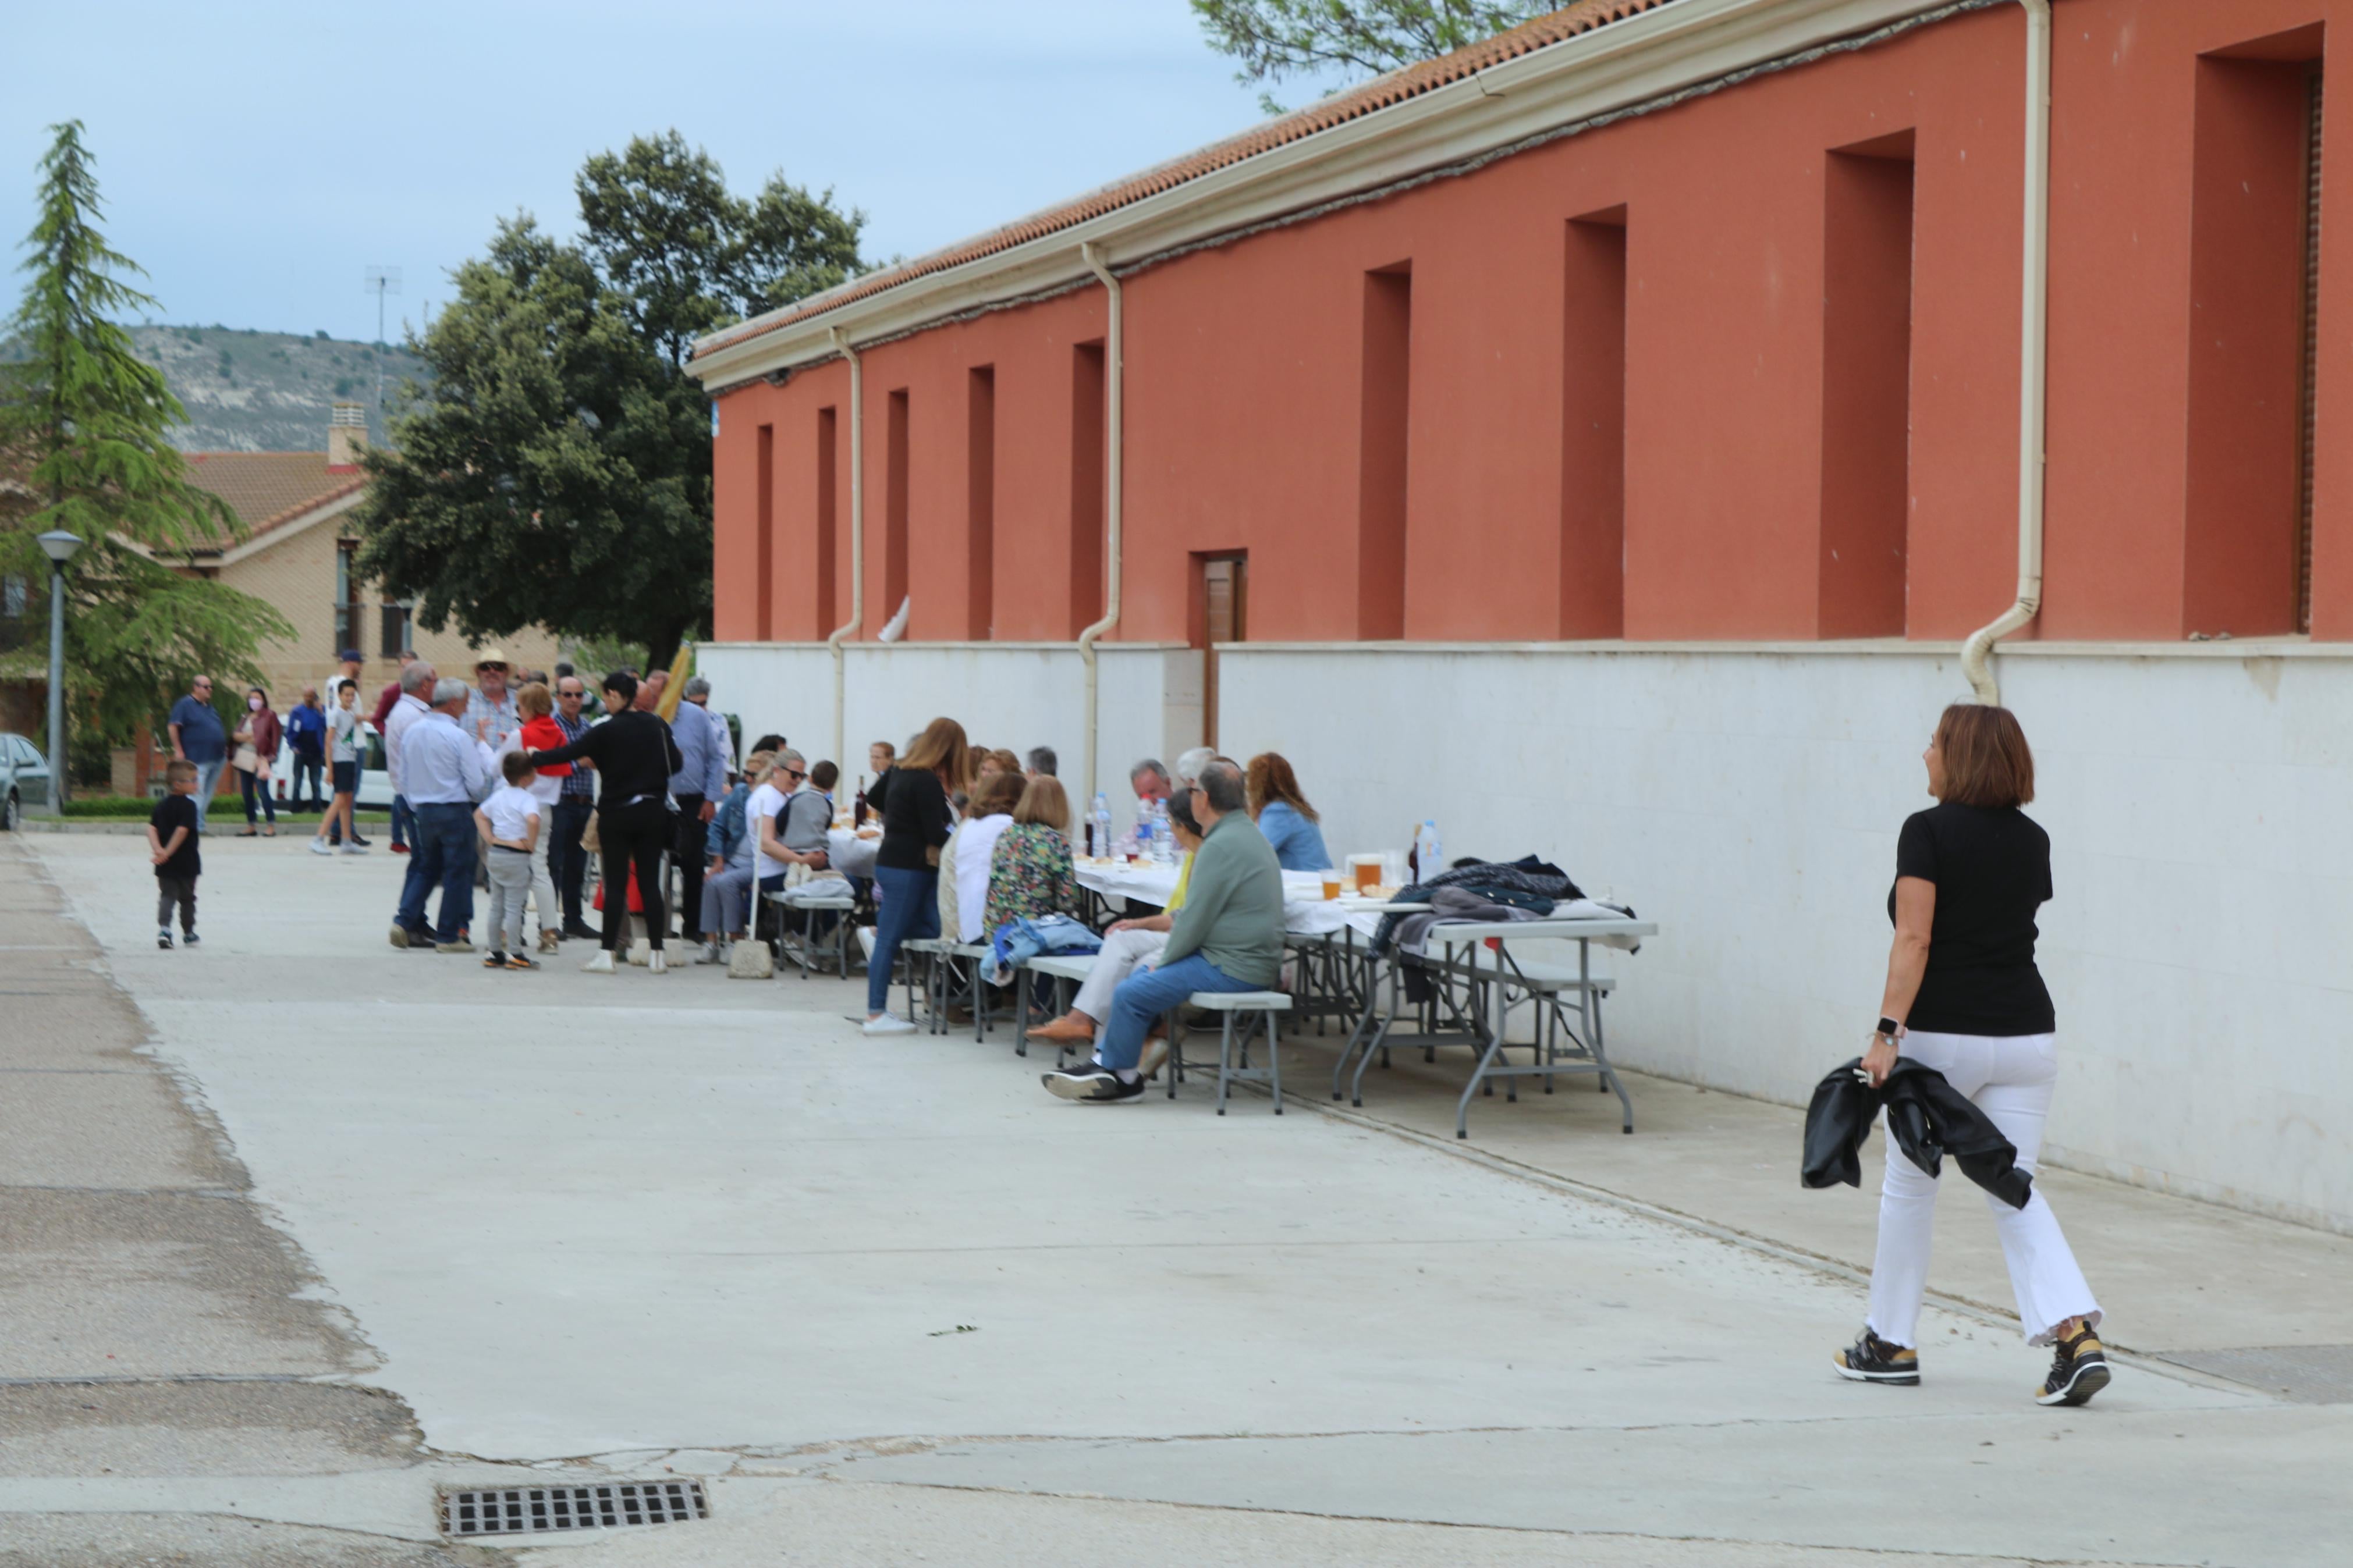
[497, 960]
[321, 847]
[187, 939]
[163, 939]
[521, 960]
[547, 938]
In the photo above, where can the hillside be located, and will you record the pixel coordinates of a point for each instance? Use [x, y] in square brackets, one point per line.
[248, 391]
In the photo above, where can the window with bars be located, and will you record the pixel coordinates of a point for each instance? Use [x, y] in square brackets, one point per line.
[347, 607]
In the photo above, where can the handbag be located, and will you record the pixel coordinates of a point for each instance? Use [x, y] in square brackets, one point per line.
[247, 759]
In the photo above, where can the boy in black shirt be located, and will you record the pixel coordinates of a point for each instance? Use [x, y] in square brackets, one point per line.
[171, 834]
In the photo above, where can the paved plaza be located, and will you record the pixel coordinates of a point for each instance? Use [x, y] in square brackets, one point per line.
[300, 1228]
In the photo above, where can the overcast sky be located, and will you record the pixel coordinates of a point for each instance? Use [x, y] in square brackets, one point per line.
[257, 157]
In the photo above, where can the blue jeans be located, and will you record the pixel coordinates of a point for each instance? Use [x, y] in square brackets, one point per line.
[313, 769]
[207, 780]
[1147, 993]
[444, 853]
[910, 908]
[404, 821]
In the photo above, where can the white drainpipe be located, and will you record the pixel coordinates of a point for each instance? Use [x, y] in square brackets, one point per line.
[857, 529]
[2033, 350]
[1112, 436]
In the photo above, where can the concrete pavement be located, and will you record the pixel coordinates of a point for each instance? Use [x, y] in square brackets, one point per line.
[896, 1305]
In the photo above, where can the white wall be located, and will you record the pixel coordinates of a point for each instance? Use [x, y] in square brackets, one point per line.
[2200, 805]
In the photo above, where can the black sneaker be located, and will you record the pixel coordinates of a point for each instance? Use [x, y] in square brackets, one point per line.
[1872, 1360]
[582, 928]
[2079, 1369]
[188, 938]
[1091, 1084]
[164, 939]
[497, 960]
[521, 960]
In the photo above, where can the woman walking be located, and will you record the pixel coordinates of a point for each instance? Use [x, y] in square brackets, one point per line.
[257, 749]
[915, 821]
[344, 744]
[635, 756]
[1964, 998]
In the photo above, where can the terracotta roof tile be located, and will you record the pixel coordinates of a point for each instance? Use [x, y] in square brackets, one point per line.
[1382, 92]
[268, 489]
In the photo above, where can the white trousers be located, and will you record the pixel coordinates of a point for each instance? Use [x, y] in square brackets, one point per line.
[2010, 1077]
[1122, 951]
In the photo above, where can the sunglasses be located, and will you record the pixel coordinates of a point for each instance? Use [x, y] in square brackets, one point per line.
[792, 773]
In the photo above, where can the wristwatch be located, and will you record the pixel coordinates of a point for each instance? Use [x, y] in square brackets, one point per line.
[1887, 1026]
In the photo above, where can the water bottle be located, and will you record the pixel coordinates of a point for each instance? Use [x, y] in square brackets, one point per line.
[1429, 858]
[1102, 825]
[1163, 839]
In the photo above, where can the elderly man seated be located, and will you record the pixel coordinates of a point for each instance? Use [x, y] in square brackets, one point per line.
[1227, 937]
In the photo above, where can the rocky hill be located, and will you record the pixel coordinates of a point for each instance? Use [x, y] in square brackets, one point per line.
[248, 391]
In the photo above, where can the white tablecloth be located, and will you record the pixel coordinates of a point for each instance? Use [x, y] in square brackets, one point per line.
[1306, 911]
[851, 856]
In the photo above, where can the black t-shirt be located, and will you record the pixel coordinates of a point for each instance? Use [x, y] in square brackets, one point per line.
[1992, 867]
[916, 817]
[173, 812]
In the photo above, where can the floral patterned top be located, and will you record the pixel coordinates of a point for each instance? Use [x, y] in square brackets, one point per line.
[1030, 876]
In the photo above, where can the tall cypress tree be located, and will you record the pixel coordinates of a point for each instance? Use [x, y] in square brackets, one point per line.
[83, 423]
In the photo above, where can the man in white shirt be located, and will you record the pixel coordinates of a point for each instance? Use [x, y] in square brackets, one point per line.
[442, 773]
[417, 679]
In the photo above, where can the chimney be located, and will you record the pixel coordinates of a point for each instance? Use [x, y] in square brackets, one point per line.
[346, 437]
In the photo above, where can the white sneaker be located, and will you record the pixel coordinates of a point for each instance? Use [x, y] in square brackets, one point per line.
[353, 849]
[656, 963]
[318, 846]
[887, 1024]
[710, 954]
[600, 964]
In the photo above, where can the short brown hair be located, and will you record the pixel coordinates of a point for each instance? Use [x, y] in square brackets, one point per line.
[1987, 760]
[534, 701]
[179, 768]
[1043, 803]
[515, 766]
[997, 793]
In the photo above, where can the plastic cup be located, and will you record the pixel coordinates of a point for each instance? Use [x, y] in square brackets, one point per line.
[1331, 884]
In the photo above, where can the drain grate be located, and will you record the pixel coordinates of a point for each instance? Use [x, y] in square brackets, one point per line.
[2303, 1375]
[538, 1511]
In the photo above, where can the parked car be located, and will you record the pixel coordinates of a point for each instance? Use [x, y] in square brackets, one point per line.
[375, 784]
[23, 779]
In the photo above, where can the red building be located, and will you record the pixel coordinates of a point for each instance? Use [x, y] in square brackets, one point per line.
[1635, 403]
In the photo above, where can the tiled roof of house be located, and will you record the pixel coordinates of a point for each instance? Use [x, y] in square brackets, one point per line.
[268, 489]
[1338, 110]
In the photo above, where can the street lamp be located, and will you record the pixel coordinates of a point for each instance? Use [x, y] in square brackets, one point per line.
[60, 547]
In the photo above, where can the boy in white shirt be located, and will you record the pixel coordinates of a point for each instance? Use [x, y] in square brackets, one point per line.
[510, 823]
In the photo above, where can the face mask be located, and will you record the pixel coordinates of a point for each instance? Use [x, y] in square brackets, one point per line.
[254, 703]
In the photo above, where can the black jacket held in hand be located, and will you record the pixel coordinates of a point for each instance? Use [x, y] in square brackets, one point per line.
[1927, 1119]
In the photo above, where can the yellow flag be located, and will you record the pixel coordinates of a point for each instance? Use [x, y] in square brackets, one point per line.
[679, 669]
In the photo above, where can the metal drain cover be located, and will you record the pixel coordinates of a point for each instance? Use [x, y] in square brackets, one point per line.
[540, 1510]
[2303, 1375]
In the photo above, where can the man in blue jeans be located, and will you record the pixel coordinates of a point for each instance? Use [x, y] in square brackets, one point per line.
[443, 776]
[1227, 937]
[199, 737]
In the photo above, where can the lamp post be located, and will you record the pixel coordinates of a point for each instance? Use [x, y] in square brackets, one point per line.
[60, 547]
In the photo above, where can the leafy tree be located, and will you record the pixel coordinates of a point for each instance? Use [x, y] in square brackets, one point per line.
[83, 448]
[1276, 40]
[557, 470]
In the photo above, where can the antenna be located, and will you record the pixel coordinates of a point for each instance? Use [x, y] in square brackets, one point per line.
[381, 280]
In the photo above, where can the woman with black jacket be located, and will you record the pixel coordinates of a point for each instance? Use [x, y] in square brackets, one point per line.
[1964, 998]
[915, 824]
[635, 758]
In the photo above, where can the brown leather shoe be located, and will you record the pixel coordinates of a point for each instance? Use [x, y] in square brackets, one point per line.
[1064, 1030]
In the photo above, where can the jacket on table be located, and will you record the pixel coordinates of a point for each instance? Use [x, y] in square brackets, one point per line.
[1927, 1119]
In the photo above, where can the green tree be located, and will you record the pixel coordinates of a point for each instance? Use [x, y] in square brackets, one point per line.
[556, 471]
[83, 448]
[1277, 40]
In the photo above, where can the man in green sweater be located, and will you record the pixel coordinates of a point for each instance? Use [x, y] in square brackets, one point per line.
[1227, 937]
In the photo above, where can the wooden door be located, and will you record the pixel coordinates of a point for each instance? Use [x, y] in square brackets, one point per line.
[1224, 598]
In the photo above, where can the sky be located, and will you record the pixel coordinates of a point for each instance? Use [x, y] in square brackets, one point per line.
[257, 158]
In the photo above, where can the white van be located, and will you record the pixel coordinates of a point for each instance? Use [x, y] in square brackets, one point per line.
[375, 784]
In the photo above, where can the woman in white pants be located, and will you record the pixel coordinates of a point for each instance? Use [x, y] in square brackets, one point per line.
[1126, 944]
[1964, 998]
